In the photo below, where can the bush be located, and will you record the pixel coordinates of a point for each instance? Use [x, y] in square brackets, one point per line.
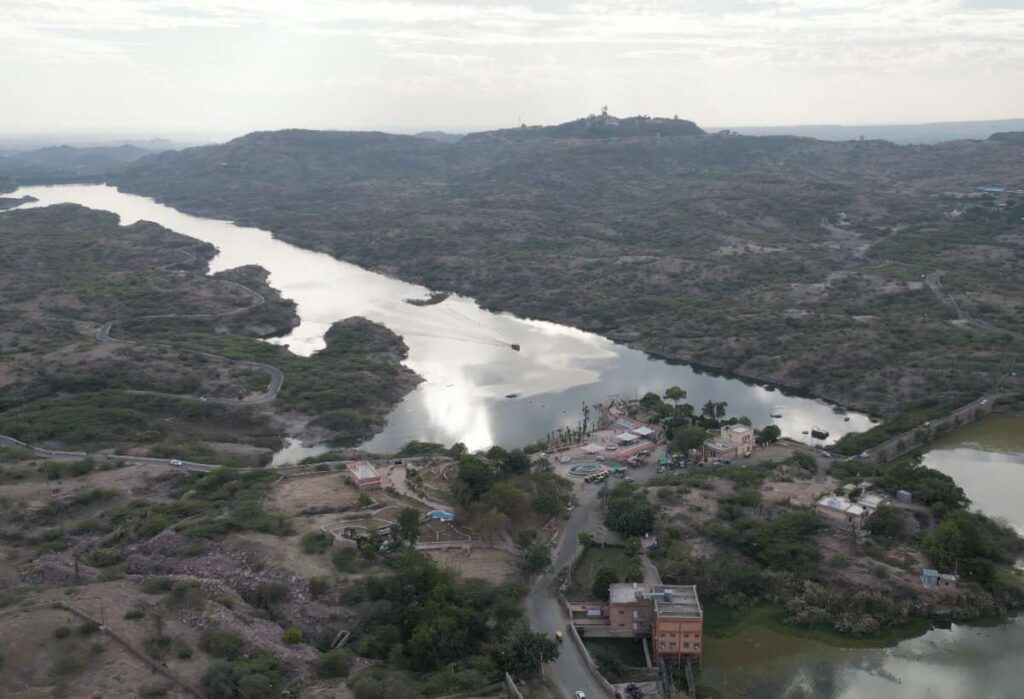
[316, 542]
[156, 586]
[335, 663]
[269, 594]
[156, 647]
[319, 585]
[134, 613]
[222, 643]
[104, 557]
[88, 628]
[291, 636]
[61, 632]
[345, 560]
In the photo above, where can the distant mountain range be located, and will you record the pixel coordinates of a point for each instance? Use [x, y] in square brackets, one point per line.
[897, 133]
[55, 163]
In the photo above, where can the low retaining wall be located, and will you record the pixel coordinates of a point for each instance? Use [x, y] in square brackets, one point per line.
[511, 688]
[591, 665]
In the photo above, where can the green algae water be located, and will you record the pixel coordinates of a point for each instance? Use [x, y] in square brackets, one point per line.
[763, 661]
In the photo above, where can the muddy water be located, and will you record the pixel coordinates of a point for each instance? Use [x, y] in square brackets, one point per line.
[986, 459]
[463, 352]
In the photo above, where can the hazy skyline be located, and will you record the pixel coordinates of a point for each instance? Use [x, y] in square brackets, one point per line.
[230, 66]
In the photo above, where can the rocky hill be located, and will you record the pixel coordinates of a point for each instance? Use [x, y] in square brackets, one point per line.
[780, 258]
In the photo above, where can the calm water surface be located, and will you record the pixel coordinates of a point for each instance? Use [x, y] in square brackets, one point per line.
[462, 351]
[986, 459]
[955, 663]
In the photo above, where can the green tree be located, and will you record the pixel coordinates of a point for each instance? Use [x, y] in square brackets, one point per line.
[475, 477]
[769, 434]
[604, 578]
[887, 523]
[407, 525]
[537, 558]
[708, 410]
[675, 394]
[509, 500]
[516, 462]
[629, 512]
[688, 437]
[524, 652]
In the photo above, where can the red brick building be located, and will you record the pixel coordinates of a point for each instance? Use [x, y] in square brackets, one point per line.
[670, 614]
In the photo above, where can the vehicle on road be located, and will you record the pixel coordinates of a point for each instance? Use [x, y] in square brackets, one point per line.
[558, 636]
[176, 462]
[580, 694]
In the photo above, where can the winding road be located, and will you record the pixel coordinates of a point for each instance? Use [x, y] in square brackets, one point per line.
[276, 375]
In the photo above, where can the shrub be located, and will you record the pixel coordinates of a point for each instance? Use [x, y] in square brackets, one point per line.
[156, 586]
[156, 647]
[334, 663]
[61, 632]
[222, 643]
[316, 542]
[269, 594]
[291, 636]
[88, 628]
[134, 613]
[319, 585]
[104, 557]
[345, 560]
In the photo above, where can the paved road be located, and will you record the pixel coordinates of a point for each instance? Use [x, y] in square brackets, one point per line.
[43, 453]
[569, 671]
[276, 375]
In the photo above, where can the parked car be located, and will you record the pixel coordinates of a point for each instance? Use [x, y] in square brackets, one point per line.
[558, 636]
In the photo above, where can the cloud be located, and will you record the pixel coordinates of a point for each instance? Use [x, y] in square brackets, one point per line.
[840, 32]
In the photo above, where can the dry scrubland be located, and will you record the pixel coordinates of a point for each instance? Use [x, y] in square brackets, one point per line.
[189, 337]
[228, 584]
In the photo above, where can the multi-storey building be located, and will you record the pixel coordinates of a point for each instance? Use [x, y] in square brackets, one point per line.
[670, 614]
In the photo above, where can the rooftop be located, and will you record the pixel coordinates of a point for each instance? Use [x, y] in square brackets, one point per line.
[363, 470]
[715, 445]
[668, 600]
[834, 502]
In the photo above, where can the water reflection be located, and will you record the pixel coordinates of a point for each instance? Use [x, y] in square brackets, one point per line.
[962, 661]
[464, 353]
[986, 459]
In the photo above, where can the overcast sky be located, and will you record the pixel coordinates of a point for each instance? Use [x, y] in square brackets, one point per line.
[231, 66]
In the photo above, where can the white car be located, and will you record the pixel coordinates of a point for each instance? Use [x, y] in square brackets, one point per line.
[176, 462]
[580, 695]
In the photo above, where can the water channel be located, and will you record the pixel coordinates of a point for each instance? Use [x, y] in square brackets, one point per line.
[986, 458]
[464, 353]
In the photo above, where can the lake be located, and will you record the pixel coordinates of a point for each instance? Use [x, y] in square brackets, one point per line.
[986, 458]
[463, 352]
[962, 661]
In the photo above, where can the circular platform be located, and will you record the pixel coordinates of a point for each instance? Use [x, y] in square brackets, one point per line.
[581, 470]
